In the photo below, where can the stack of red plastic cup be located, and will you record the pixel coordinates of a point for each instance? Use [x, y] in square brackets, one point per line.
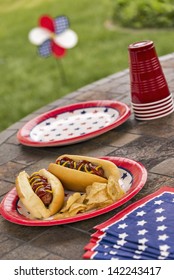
[150, 95]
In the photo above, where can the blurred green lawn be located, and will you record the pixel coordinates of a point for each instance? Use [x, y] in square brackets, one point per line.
[28, 81]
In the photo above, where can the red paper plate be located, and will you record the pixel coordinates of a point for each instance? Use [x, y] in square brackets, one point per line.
[73, 123]
[133, 178]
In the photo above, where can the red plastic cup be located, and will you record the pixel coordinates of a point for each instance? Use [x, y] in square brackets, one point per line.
[162, 114]
[157, 111]
[148, 83]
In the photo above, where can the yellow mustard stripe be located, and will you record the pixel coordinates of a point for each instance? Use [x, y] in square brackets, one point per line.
[34, 174]
[79, 168]
[97, 167]
[87, 171]
[38, 188]
[34, 180]
[64, 164]
[49, 191]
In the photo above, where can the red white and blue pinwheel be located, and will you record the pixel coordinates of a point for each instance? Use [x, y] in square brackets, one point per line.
[53, 36]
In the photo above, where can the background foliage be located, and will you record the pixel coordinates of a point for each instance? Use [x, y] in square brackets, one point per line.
[28, 81]
[144, 13]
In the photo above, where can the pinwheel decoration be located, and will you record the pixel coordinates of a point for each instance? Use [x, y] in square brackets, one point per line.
[53, 36]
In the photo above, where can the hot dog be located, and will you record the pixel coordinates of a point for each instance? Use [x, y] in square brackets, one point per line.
[77, 172]
[42, 193]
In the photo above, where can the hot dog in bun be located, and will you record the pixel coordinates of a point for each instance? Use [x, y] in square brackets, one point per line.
[42, 193]
[77, 172]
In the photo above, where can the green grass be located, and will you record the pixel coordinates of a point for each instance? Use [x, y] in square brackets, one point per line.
[29, 82]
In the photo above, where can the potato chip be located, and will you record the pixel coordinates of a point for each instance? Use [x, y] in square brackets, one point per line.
[94, 189]
[97, 195]
[91, 206]
[72, 199]
[97, 198]
[59, 216]
[76, 208]
[104, 204]
[81, 199]
[98, 205]
[114, 190]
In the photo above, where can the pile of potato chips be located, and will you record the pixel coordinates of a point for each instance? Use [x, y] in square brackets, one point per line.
[97, 195]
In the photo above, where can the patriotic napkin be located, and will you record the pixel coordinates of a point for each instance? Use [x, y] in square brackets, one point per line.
[143, 230]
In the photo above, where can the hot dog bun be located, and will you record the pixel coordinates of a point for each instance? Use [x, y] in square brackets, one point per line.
[76, 180]
[32, 202]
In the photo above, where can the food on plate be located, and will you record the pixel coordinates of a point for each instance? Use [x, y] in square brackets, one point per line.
[77, 172]
[74, 205]
[96, 196]
[94, 182]
[90, 193]
[42, 193]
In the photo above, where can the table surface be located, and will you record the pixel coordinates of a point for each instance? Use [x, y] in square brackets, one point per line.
[149, 142]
